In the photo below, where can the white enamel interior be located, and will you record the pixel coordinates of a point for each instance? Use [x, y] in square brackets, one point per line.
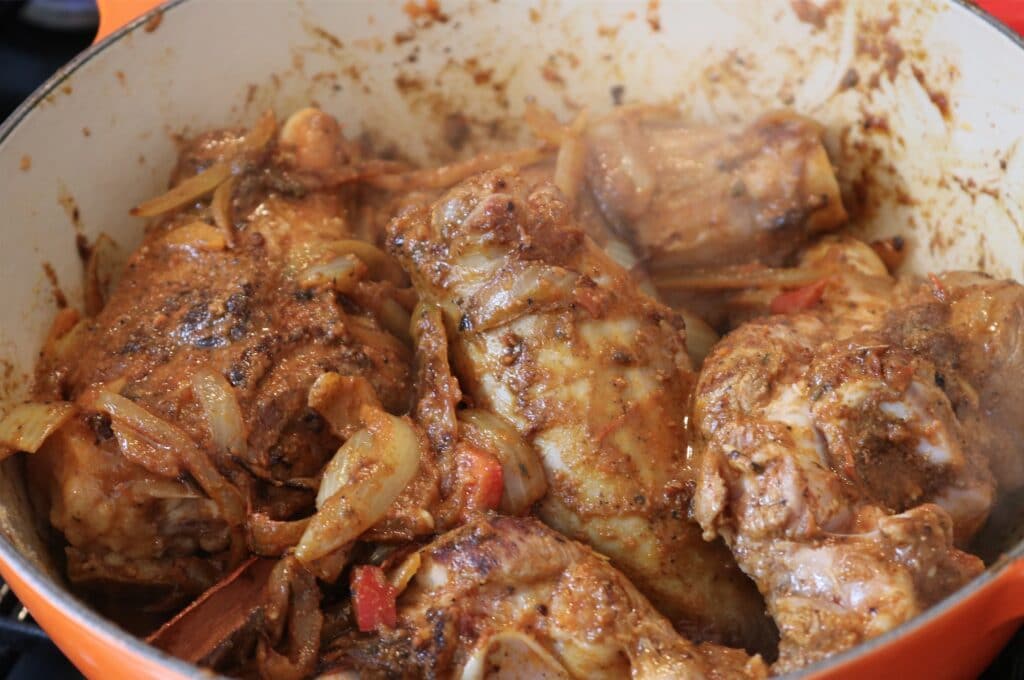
[954, 186]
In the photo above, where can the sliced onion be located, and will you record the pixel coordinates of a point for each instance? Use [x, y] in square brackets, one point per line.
[342, 273]
[329, 567]
[168, 489]
[293, 610]
[197, 236]
[543, 124]
[368, 473]
[198, 186]
[622, 253]
[26, 426]
[531, 288]
[368, 333]
[512, 654]
[260, 134]
[221, 209]
[571, 160]
[395, 319]
[733, 277]
[700, 337]
[340, 468]
[221, 409]
[272, 538]
[67, 329]
[400, 576]
[382, 267]
[338, 399]
[162, 434]
[523, 474]
[448, 175]
[102, 271]
[159, 461]
[185, 192]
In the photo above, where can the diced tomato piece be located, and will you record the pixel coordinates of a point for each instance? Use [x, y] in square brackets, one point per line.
[799, 299]
[481, 478]
[373, 598]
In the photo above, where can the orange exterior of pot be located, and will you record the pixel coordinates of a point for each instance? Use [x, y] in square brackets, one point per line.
[117, 13]
[96, 654]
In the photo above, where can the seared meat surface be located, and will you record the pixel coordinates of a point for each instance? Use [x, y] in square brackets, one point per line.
[505, 595]
[550, 334]
[188, 303]
[978, 322]
[837, 455]
[699, 196]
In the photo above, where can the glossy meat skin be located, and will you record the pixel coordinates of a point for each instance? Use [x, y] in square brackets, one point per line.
[693, 196]
[503, 575]
[548, 333]
[242, 313]
[835, 457]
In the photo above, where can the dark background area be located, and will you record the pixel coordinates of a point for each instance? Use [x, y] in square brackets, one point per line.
[34, 43]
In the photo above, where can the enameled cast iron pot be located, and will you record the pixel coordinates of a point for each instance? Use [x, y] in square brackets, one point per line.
[923, 103]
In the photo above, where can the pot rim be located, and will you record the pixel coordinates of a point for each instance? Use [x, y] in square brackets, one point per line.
[86, 617]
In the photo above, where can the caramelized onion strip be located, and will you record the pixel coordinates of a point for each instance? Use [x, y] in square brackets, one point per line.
[522, 472]
[734, 278]
[361, 483]
[448, 175]
[162, 434]
[26, 426]
[185, 192]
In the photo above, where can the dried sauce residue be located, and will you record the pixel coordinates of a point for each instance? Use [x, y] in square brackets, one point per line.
[10, 382]
[70, 205]
[455, 130]
[550, 73]
[874, 41]
[83, 247]
[120, 77]
[334, 41]
[406, 83]
[654, 15]
[154, 21]
[850, 79]
[26, 163]
[940, 99]
[618, 93]
[480, 75]
[428, 12]
[58, 294]
[812, 13]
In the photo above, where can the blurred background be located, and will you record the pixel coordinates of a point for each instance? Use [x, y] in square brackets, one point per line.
[37, 37]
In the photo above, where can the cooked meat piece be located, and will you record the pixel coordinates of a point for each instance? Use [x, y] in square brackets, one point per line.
[986, 318]
[506, 592]
[699, 196]
[836, 466]
[547, 332]
[243, 314]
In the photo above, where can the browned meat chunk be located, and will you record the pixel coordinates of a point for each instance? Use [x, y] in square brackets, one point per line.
[837, 455]
[550, 334]
[510, 595]
[693, 196]
[201, 313]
